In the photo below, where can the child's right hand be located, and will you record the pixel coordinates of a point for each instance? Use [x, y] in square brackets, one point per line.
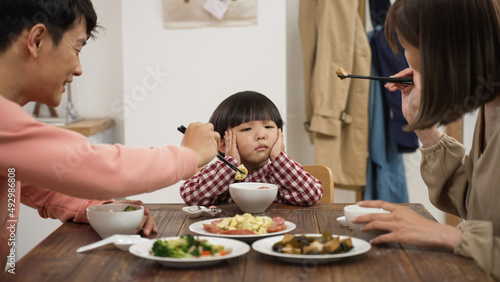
[231, 147]
[410, 94]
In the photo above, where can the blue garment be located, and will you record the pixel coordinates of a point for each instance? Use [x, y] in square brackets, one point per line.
[378, 11]
[387, 64]
[385, 177]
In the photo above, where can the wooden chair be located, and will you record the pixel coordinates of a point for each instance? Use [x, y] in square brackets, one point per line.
[325, 175]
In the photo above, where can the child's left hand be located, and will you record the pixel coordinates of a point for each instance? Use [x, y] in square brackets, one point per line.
[278, 146]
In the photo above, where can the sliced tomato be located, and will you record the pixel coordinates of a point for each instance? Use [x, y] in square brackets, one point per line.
[278, 220]
[277, 228]
[215, 222]
[279, 224]
[212, 228]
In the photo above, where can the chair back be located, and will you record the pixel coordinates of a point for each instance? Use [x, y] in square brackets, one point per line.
[325, 175]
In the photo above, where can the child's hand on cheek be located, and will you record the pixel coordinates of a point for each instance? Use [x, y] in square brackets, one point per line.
[231, 148]
[278, 146]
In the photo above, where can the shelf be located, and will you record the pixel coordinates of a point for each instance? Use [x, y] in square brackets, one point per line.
[89, 127]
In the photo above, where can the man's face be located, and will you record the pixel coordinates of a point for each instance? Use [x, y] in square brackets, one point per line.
[58, 64]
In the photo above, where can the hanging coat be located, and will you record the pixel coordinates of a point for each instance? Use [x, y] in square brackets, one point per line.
[333, 36]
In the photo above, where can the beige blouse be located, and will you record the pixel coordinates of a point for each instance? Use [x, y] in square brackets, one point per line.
[469, 186]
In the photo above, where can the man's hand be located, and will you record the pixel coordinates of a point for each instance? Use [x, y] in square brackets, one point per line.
[203, 140]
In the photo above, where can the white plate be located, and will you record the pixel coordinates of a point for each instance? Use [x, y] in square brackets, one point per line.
[238, 249]
[198, 228]
[265, 246]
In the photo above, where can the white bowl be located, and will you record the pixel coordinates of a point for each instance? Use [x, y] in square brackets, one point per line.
[110, 219]
[352, 211]
[252, 197]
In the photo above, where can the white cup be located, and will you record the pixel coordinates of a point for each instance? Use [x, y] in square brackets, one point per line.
[353, 211]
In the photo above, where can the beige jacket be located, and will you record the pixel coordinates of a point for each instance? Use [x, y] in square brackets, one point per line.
[469, 186]
[333, 36]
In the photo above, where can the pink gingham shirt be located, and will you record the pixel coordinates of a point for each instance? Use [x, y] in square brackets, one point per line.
[211, 184]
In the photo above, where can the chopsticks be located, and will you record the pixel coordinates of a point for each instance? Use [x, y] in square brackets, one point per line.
[182, 129]
[342, 74]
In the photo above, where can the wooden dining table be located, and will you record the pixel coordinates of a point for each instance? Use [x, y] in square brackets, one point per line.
[56, 259]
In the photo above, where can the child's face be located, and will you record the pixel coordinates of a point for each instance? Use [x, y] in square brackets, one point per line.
[254, 140]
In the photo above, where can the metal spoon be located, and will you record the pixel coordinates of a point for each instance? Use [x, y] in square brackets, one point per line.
[211, 211]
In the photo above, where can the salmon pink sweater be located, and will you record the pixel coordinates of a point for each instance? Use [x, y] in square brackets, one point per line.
[55, 170]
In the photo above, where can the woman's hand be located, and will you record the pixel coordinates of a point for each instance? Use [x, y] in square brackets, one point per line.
[231, 146]
[407, 227]
[278, 146]
[410, 94]
[148, 225]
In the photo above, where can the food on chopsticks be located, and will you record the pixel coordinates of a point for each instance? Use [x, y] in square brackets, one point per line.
[239, 175]
[129, 208]
[246, 224]
[342, 74]
[187, 247]
[301, 244]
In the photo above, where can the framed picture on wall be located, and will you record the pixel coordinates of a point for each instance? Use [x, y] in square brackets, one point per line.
[205, 13]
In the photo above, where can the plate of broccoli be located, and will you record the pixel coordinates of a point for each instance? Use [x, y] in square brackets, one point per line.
[189, 251]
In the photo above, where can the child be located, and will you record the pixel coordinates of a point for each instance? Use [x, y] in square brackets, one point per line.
[251, 127]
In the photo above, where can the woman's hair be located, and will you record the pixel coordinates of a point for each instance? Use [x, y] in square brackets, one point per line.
[459, 45]
[58, 16]
[244, 107]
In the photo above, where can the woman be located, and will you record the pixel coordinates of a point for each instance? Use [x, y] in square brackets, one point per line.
[454, 60]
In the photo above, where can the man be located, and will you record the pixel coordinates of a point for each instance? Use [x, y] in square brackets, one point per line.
[40, 43]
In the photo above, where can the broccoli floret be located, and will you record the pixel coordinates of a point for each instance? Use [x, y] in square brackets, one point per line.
[179, 253]
[190, 240]
[196, 252]
[206, 247]
[129, 208]
[172, 248]
[178, 243]
[185, 247]
[160, 248]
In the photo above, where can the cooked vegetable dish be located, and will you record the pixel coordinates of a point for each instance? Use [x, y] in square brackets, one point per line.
[187, 247]
[301, 244]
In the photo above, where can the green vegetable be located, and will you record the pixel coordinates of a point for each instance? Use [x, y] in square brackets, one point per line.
[129, 208]
[184, 247]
